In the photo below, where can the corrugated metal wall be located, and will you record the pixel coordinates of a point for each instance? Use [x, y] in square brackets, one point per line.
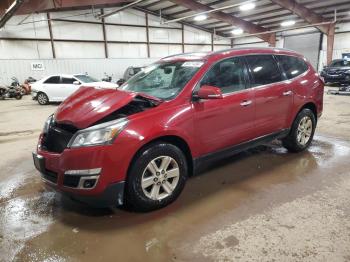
[87, 52]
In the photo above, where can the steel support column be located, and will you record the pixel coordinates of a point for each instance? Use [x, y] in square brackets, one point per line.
[330, 43]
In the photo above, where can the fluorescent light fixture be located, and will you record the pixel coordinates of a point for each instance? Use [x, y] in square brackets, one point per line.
[200, 17]
[237, 31]
[288, 23]
[246, 7]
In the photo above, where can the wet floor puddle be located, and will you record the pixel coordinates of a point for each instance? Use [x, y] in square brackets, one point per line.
[39, 225]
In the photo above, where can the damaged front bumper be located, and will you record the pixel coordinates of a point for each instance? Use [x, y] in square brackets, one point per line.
[59, 171]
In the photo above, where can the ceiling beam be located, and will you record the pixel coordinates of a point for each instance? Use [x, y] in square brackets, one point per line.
[233, 20]
[303, 12]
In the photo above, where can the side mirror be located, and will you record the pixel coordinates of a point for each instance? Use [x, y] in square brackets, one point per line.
[76, 83]
[209, 92]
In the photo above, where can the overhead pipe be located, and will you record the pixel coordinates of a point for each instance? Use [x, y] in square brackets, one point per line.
[120, 9]
[10, 12]
[282, 30]
[208, 12]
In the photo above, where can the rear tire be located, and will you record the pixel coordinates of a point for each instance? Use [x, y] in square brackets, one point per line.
[302, 131]
[42, 99]
[156, 177]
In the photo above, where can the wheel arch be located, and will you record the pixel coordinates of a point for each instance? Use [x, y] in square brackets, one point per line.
[171, 139]
[310, 105]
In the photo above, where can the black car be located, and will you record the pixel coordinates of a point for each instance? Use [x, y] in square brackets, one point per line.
[337, 72]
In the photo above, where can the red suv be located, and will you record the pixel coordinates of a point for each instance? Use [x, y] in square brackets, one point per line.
[137, 145]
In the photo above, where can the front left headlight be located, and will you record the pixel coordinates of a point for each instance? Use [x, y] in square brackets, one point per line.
[101, 134]
[47, 124]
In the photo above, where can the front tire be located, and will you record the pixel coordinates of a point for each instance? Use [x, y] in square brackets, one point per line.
[156, 177]
[302, 131]
[42, 99]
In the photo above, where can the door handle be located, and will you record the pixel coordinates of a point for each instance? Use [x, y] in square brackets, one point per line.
[287, 93]
[246, 102]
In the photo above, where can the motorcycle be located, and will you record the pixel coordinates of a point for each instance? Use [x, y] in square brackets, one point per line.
[107, 78]
[26, 87]
[10, 92]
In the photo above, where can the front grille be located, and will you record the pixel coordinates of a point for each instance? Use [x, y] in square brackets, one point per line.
[58, 137]
[71, 181]
[50, 176]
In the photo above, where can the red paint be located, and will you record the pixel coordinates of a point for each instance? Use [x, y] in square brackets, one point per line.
[205, 125]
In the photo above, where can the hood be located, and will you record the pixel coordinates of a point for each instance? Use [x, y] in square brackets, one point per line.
[337, 69]
[89, 104]
[102, 84]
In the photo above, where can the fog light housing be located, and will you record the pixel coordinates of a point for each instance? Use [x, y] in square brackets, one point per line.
[83, 172]
[89, 183]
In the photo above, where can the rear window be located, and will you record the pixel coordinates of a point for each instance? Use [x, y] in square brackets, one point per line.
[264, 69]
[292, 66]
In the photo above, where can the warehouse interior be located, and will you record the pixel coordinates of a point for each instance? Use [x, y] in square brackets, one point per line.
[263, 204]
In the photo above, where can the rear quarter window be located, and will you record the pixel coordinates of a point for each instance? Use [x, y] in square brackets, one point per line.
[292, 66]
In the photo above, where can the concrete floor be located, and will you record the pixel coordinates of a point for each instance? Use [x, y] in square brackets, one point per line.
[262, 205]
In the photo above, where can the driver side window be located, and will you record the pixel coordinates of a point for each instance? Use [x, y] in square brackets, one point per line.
[228, 75]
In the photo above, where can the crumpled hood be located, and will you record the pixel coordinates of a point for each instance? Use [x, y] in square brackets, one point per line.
[89, 104]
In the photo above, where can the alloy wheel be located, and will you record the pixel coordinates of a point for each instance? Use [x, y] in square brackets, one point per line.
[304, 130]
[160, 177]
[42, 99]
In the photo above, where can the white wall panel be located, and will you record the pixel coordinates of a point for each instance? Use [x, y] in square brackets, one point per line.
[79, 50]
[197, 48]
[195, 36]
[221, 47]
[159, 51]
[222, 40]
[29, 30]
[95, 67]
[24, 49]
[68, 30]
[128, 17]
[155, 21]
[125, 33]
[165, 35]
[127, 50]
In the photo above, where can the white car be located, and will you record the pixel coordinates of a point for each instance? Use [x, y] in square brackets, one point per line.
[56, 88]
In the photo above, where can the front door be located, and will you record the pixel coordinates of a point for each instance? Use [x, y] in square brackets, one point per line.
[221, 123]
[68, 87]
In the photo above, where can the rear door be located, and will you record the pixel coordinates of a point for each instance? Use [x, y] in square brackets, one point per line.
[221, 123]
[273, 95]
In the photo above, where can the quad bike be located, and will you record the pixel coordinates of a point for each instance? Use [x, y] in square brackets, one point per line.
[10, 92]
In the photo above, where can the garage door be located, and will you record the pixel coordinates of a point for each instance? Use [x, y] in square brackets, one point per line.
[307, 44]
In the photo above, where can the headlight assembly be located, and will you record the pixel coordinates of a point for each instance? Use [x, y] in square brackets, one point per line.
[101, 134]
[47, 124]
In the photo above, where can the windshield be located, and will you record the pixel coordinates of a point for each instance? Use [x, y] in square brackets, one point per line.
[340, 63]
[86, 78]
[163, 80]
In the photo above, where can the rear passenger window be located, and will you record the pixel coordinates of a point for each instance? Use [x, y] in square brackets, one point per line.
[264, 69]
[292, 66]
[53, 80]
[228, 75]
